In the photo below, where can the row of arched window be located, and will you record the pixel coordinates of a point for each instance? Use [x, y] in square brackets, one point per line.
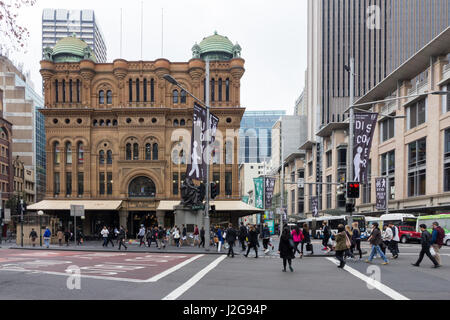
[177, 123]
[68, 152]
[137, 96]
[220, 89]
[101, 97]
[132, 151]
[74, 88]
[102, 123]
[182, 96]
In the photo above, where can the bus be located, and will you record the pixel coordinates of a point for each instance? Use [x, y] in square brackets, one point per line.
[398, 219]
[315, 224]
[442, 219]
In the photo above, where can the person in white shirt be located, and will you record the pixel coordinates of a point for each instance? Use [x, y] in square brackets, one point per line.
[395, 240]
[141, 235]
[105, 234]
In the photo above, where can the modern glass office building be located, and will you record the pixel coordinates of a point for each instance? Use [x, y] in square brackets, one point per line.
[255, 135]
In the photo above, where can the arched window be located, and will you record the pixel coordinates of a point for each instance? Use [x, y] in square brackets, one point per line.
[128, 151]
[101, 97]
[135, 151]
[182, 122]
[64, 90]
[145, 90]
[80, 152]
[183, 96]
[109, 97]
[68, 153]
[109, 157]
[95, 123]
[137, 90]
[78, 90]
[108, 123]
[142, 187]
[102, 123]
[227, 90]
[213, 83]
[155, 151]
[57, 153]
[220, 89]
[56, 91]
[216, 154]
[175, 123]
[130, 90]
[114, 122]
[101, 157]
[175, 96]
[148, 151]
[70, 90]
[152, 90]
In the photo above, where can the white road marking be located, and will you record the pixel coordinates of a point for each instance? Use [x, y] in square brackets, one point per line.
[192, 281]
[173, 269]
[374, 283]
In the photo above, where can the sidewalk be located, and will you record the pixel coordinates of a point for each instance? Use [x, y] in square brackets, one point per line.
[96, 246]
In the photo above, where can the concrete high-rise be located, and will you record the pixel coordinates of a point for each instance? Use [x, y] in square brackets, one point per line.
[61, 23]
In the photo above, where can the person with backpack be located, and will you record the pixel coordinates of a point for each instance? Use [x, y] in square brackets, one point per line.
[121, 238]
[286, 249]
[47, 235]
[425, 240]
[33, 236]
[395, 240]
[307, 239]
[242, 235]
[356, 239]
[437, 240]
[297, 236]
[375, 241]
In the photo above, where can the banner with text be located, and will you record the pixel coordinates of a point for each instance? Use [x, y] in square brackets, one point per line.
[363, 133]
[315, 206]
[380, 187]
[259, 189]
[269, 187]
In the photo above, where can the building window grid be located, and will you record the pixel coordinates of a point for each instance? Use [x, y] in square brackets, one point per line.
[388, 169]
[417, 168]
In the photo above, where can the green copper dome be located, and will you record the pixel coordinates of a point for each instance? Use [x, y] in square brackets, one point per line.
[72, 49]
[215, 47]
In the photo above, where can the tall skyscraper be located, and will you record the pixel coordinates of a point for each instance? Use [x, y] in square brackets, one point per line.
[379, 34]
[61, 23]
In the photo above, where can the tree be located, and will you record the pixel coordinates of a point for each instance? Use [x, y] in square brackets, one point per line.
[9, 28]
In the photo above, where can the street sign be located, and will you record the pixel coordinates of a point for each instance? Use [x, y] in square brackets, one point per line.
[76, 210]
[301, 183]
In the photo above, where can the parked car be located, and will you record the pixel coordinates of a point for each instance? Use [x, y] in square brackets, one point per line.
[447, 239]
[408, 234]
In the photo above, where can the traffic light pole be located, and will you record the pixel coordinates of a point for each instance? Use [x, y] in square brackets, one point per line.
[21, 222]
[206, 221]
[351, 134]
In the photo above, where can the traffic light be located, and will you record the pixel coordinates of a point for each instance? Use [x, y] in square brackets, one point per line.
[353, 190]
[202, 192]
[214, 190]
[212, 211]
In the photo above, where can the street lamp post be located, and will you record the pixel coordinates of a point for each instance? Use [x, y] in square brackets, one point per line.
[170, 79]
[40, 213]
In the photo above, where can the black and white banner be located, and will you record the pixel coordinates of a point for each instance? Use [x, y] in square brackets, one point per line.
[380, 187]
[315, 206]
[269, 186]
[196, 168]
[363, 134]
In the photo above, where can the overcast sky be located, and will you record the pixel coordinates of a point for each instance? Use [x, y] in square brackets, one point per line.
[272, 35]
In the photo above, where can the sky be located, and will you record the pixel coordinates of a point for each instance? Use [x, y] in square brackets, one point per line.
[272, 34]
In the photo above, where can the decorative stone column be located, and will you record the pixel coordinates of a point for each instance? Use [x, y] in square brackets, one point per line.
[160, 217]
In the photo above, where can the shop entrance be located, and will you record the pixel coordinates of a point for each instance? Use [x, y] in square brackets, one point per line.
[138, 218]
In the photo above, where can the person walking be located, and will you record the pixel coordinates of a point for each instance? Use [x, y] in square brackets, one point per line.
[348, 232]
[148, 237]
[196, 236]
[342, 245]
[202, 237]
[80, 237]
[375, 241]
[33, 236]
[104, 234]
[176, 236]
[230, 238]
[286, 249]
[67, 236]
[221, 240]
[437, 240]
[252, 241]
[47, 236]
[160, 238]
[386, 236]
[242, 235]
[60, 235]
[141, 235]
[395, 240]
[110, 237]
[356, 239]
[183, 235]
[425, 240]
[326, 237]
[297, 236]
[265, 235]
[307, 239]
[121, 237]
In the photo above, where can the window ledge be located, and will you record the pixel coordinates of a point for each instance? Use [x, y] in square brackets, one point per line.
[415, 129]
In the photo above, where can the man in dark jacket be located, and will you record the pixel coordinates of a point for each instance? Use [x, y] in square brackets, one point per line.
[326, 237]
[437, 240]
[265, 235]
[375, 241]
[202, 237]
[252, 241]
[242, 235]
[121, 238]
[426, 244]
[230, 238]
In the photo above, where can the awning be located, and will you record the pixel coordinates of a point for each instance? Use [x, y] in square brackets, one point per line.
[232, 205]
[65, 204]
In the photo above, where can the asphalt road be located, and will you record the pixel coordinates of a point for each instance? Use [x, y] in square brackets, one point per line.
[42, 275]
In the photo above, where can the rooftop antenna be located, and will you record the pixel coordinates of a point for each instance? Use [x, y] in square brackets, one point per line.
[121, 32]
[162, 32]
[142, 24]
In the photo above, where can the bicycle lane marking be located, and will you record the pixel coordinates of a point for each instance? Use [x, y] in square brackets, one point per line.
[372, 282]
[192, 281]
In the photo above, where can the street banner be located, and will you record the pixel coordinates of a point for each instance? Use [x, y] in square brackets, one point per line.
[245, 199]
[259, 186]
[271, 225]
[363, 133]
[269, 187]
[315, 206]
[196, 167]
[380, 187]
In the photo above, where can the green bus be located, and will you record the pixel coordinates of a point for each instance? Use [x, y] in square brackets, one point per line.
[442, 219]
